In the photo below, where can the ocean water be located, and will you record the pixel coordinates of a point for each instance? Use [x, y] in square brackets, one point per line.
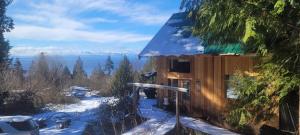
[89, 61]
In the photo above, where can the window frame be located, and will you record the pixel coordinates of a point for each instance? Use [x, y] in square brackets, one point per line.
[174, 62]
[228, 89]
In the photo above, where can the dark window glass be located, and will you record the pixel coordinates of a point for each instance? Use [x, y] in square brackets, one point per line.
[22, 126]
[169, 82]
[180, 66]
[173, 83]
[186, 84]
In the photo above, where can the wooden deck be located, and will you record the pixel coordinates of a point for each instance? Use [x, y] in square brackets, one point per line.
[161, 122]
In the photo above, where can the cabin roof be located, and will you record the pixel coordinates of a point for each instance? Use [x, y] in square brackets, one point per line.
[174, 39]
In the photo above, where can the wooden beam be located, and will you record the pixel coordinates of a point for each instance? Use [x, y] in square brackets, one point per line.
[146, 85]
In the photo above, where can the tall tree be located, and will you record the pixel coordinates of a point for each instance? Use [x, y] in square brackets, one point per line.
[67, 72]
[67, 76]
[40, 68]
[98, 78]
[123, 76]
[18, 72]
[98, 72]
[109, 66]
[271, 29]
[79, 75]
[6, 25]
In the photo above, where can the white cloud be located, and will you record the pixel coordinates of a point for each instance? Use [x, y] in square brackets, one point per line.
[57, 20]
[50, 15]
[65, 34]
[100, 20]
[53, 21]
[135, 12]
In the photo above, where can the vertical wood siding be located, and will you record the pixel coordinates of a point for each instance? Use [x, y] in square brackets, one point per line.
[208, 95]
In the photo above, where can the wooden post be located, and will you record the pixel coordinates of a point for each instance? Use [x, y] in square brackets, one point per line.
[299, 111]
[176, 89]
[177, 113]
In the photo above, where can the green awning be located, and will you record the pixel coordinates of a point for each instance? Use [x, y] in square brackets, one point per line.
[235, 48]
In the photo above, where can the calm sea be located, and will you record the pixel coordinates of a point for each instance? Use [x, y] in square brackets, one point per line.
[89, 61]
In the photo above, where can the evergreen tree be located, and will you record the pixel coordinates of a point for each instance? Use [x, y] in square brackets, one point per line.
[18, 65]
[79, 75]
[109, 66]
[39, 73]
[98, 78]
[98, 72]
[123, 76]
[67, 72]
[66, 77]
[269, 28]
[6, 25]
[40, 68]
[18, 72]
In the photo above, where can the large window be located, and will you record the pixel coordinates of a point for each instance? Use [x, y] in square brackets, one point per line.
[180, 65]
[229, 90]
[173, 83]
[186, 84]
[179, 83]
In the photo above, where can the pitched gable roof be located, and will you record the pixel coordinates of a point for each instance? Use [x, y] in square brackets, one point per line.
[174, 39]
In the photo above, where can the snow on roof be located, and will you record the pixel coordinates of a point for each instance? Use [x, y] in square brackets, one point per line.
[174, 39]
[18, 118]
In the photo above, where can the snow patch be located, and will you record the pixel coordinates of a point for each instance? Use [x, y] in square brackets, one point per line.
[81, 113]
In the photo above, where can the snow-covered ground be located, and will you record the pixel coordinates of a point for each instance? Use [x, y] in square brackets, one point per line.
[161, 122]
[80, 114]
[157, 120]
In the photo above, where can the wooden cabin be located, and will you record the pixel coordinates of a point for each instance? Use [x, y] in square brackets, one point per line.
[183, 61]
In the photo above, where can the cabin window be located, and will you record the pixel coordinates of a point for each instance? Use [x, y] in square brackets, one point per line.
[180, 65]
[186, 84]
[173, 83]
[229, 89]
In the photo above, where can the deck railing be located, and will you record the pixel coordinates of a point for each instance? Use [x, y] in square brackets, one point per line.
[176, 89]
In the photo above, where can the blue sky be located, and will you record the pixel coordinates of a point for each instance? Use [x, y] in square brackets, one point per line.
[78, 27]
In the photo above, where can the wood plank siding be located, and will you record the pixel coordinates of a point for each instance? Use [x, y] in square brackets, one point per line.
[207, 88]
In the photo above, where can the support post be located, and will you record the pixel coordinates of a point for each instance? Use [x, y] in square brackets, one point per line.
[299, 111]
[177, 113]
[176, 89]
